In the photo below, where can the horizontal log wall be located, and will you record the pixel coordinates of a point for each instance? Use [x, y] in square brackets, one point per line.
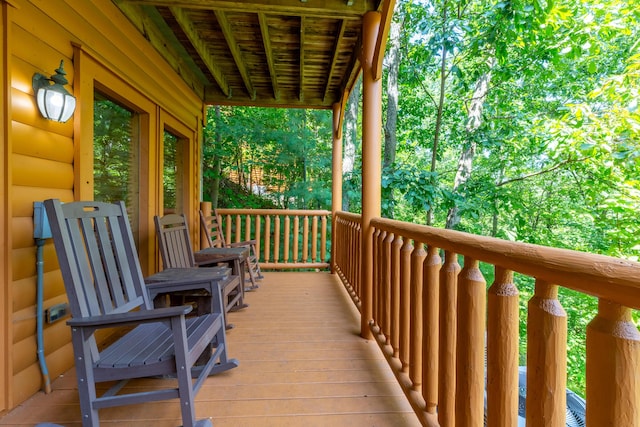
[44, 159]
[285, 238]
[435, 318]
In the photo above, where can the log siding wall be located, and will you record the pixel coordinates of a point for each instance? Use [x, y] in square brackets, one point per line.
[43, 159]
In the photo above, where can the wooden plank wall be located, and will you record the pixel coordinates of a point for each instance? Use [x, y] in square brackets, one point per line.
[44, 159]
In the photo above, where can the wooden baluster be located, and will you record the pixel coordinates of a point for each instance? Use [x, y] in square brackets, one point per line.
[405, 302]
[227, 236]
[305, 239]
[351, 256]
[276, 239]
[314, 239]
[247, 228]
[613, 360]
[258, 227]
[323, 239]
[470, 345]
[238, 230]
[386, 286]
[287, 226]
[416, 326]
[376, 276]
[447, 349]
[395, 294]
[430, 328]
[546, 358]
[381, 280]
[357, 259]
[267, 238]
[296, 233]
[502, 351]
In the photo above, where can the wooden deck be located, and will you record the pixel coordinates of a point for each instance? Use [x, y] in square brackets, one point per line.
[302, 363]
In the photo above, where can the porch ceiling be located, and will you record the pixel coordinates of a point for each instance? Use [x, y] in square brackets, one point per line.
[295, 53]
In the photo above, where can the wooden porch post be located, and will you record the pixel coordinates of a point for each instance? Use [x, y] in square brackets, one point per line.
[336, 177]
[371, 166]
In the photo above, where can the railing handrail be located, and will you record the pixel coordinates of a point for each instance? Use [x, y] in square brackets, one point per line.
[292, 212]
[349, 216]
[614, 279]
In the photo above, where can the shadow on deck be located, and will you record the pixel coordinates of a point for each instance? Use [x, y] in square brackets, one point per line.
[302, 363]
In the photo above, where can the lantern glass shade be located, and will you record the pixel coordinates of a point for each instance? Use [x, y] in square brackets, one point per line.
[55, 103]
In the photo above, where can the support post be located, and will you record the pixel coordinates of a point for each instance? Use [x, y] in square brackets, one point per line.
[336, 178]
[371, 157]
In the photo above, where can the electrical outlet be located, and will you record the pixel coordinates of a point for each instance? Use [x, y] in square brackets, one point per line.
[56, 312]
[41, 229]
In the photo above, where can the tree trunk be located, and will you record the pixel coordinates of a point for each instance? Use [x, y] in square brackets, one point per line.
[350, 140]
[443, 80]
[217, 164]
[474, 120]
[390, 139]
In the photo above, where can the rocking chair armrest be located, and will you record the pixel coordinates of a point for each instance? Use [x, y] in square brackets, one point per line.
[240, 244]
[120, 319]
[213, 261]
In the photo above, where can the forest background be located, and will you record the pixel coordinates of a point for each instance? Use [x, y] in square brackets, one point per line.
[514, 119]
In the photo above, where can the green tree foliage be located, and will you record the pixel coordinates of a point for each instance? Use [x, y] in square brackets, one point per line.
[282, 154]
[554, 153]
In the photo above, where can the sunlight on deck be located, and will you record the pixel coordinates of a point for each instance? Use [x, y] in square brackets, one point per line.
[302, 363]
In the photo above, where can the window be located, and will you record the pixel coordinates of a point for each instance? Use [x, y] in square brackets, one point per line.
[116, 155]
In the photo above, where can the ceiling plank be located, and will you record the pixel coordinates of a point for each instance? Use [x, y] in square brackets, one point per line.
[147, 22]
[334, 58]
[301, 96]
[325, 8]
[235, 51]
[200, 46]
[266, 41]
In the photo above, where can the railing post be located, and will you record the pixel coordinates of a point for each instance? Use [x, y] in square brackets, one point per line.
[447, 350]
[276, 239]
[416, 310]
[430, 345]
[336, 180]
[377, 275]
[386, 286]
[287, 226]
[502, 351]
[405, 302]
[205, 207]
[371, 166]
[546, 358]
[613, 360]
[395, 294]
[470, 345]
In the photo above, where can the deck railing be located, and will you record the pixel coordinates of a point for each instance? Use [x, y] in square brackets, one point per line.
[286, 238]
[435, 318]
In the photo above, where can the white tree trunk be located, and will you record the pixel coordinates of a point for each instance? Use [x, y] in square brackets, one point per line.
[474, 120]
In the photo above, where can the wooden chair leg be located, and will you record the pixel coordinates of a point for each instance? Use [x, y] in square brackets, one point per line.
[252, 276]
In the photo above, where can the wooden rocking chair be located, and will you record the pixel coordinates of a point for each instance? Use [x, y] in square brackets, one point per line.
[104, 283]
[177, 254]
[212, 227]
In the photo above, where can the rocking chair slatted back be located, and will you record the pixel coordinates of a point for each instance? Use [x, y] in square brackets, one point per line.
[174, 240]
[104, 268]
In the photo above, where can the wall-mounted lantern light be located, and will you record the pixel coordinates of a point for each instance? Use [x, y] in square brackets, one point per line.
[54, 102]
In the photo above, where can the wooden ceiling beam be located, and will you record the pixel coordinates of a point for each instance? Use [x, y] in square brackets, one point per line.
[235, 52]
[383, 34]
[200, 46]
[325, 8]
[266, 41]
[334, 58]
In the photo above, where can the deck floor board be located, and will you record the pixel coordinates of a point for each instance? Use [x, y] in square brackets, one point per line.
[302, 363]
